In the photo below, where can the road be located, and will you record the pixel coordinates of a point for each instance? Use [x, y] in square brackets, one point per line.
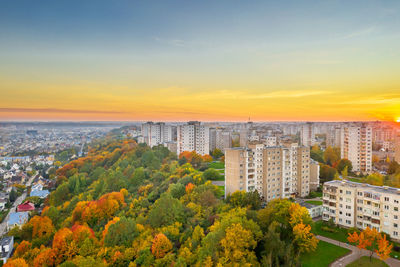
[18, 201]
[354, 255]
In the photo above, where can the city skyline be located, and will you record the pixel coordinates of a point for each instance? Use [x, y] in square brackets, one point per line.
[208, 61]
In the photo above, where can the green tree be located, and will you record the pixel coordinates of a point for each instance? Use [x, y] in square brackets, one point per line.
[121, 233]
[343, 163]
[211, 174]
[165, 211]
[217, 153]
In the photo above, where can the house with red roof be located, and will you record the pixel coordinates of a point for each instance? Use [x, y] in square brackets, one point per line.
[26, 206]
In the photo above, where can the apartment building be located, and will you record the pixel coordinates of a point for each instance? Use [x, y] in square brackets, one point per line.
[275, 172]
[193, 137]
[314, 174]
[307, 134]
[356, 146]
[351, 204]
[157, 133]
[333, 137]
[397, 149]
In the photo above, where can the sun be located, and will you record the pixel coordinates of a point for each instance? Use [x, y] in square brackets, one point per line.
[398, 119]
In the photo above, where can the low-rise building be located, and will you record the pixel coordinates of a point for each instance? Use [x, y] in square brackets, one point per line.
[351, 204]
[314, 210]
[6, 248]
[17, 219]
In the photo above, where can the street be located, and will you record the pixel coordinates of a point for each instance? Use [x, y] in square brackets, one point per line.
[18, 201]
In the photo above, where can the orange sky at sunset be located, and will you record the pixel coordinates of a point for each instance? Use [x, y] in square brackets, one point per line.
[214, 61]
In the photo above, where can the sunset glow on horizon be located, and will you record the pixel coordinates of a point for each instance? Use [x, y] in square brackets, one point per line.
[209, 61]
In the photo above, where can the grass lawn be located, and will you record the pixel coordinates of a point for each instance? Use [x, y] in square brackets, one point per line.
[217, 165]
[364, 261]
[340, 234]
[324, 255]
[314, 202]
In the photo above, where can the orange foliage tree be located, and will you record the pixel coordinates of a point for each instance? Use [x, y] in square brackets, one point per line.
[41, 226]
[189, 188]
[45, 258]
[161, 246]
[92, 211]
[64, 246]
[372, 240]
[18, 262]
[23, 247]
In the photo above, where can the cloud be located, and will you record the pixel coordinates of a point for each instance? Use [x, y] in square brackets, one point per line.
[56, 110]
[226, 94]
[362, 32]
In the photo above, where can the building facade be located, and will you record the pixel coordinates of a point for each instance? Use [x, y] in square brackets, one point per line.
[193, 137]
[356, 146]
[275, 172]
[351, 204]
[155, 134]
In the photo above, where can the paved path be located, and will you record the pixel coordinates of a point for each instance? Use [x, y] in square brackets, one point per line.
[219, 183]
[354, 255]
[18, 201]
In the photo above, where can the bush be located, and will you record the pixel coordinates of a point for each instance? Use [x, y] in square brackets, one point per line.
[328, 229]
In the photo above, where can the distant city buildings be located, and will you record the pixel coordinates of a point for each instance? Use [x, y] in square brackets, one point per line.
[358, 205]
[307, 134]
[155, 134]
[275, 172]
[193, 136]
[356, 146]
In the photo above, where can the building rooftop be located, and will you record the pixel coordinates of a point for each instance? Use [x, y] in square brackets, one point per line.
[381, 189]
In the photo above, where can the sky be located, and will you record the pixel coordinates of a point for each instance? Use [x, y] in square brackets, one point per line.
[200, 60]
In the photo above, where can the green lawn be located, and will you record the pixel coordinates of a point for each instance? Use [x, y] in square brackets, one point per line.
[314, 202]
[341, 235]
[365, 262]
[217, 165]
[356, 180]
[324, 255]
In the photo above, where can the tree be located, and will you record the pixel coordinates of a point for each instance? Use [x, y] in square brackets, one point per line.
[394, 167]
[238, 247]
[327, 173]
[13, 195]
[17, 262]
[374, 179]
[166, 210]
[331, 155]
[303, 238]
[217, 153]
[177, 190]
[373, 241]
[161, 246]
[211, 174]
[343, 163]
[121, 233]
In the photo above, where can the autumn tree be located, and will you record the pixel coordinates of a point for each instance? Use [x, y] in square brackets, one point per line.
[17, 262]
[161, 246]
[331, 155]
[121, 233]
[238, 247]
[371, 240]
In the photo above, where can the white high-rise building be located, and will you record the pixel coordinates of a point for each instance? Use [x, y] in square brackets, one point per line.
[275, 172]
[193, 137]
[157, 133]
[307, 134]
[356, 146]
[359, 205]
